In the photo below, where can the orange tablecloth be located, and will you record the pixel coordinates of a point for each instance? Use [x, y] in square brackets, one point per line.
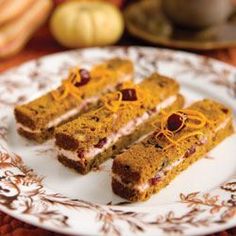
[43, 44]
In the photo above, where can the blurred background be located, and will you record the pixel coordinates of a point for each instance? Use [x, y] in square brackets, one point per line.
[33, 28]
[30, 29]
[25, 31]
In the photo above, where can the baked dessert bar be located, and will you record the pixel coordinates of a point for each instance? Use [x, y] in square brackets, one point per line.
[37, 119]
[121, 119]
[181, 138]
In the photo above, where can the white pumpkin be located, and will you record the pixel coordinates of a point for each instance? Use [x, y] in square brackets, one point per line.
[83, 24]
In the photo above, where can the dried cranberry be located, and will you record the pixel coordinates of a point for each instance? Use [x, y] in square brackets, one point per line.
[174, 122]
[153, 110]
[101, 143]
[85, 77]
[190, 151]
[154, 180]
[80, 153]
[129, 95]
[225, 110]
[162, 84]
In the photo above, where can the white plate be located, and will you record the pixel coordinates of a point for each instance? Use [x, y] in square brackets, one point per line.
[36, 188]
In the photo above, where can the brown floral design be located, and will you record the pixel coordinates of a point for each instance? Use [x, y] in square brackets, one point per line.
[23, 192]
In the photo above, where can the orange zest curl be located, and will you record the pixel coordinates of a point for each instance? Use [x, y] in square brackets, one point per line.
[193, 115]
[114, 102]
[176, 143]
[100, 75]
[68, 86]
[191, 119]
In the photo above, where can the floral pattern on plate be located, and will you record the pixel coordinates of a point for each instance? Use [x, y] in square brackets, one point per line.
[24, 194]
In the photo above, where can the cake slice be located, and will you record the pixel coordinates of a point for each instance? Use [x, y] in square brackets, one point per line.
[121, 119]
[181, 138]
[37, 119]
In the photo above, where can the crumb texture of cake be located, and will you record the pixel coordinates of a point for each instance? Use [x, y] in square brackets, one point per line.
[121, 119]
[181, 138]
[77, 94]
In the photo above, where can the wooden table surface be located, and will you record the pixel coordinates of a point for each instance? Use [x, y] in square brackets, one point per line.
[43, 44]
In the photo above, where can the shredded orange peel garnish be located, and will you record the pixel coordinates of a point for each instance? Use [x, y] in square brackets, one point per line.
[113, 101]
[192, 119]
[68, 86]
[100, 75]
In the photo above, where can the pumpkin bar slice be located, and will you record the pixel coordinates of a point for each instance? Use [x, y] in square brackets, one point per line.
[121, 119]
[37, 119]
[181, 138]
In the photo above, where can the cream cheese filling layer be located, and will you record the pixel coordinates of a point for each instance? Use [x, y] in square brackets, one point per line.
[61, 118]
[70, 113]
[144, 186]
[125, 130]
[161, 174]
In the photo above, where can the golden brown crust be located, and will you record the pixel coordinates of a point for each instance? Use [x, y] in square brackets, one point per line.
[93, 126]
[124, 191]
[38, 137]
[92, 130]
[38, 113]
[151, 158]
[134, 195]
[72, 164]
[116, 148]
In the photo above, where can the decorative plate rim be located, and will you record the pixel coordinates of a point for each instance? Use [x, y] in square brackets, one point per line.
[27, 190]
